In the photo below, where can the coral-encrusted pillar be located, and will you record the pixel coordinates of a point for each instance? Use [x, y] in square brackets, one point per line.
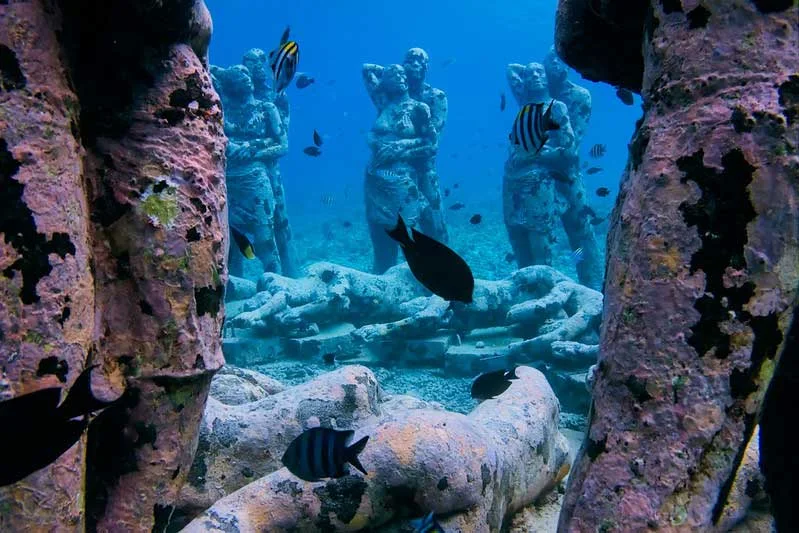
[703, 267]
[112, 245]
[46, 288]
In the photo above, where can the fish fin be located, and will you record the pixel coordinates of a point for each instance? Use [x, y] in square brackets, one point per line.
[400, 232]
[353, 451]
[544, 140]
[80, 400]
[550, 124]
[34, 403]
[249, 253]
[511, 374]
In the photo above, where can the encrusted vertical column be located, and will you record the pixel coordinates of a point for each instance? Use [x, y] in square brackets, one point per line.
[46, 287]
[703, 267]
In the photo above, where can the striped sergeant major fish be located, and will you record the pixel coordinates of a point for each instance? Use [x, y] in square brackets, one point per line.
[427, 524]
[319, 453]
[283, 61]
[531, 126]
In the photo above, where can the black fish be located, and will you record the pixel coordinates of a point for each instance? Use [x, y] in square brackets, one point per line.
[312, 151]
[457, 206]
[319, 453]
[446, 193]
[502, 101]
[602, 191]
[303, 81]
[283, 61]
[317, 139]
[593, 170]
[509, 257]
[285, 37]
[596, 221]
[560, 176]
[531, 126]
[488, 385]
[329, 358]
[598, 150]
[625, 95]
[346, 224]
[244, 244]
[447, 62]
[37, 430]
[476, 219]
[426, 524]
[434, 265]
[455, 185]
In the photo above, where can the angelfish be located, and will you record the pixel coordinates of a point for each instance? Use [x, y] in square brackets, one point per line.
[435, 265]
[531, 126]
[37, 430]
[319, 453]
[244, 244]
[283, 61]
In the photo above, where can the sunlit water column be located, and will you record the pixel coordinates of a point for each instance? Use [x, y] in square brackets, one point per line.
[703, 254]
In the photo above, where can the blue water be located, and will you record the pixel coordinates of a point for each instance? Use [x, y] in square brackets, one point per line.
[336, 38]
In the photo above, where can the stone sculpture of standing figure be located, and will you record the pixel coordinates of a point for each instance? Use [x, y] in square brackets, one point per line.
[415, 65]
[256, 124]
[401, 139]
[528, 185]
[571, 192]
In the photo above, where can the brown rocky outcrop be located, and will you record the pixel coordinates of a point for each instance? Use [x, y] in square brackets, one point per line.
[703, 256]
[112, 217]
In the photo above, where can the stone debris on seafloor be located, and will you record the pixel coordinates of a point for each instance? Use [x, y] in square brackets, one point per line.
[470, 482]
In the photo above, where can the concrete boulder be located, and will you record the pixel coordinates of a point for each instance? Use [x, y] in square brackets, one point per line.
[475, 470]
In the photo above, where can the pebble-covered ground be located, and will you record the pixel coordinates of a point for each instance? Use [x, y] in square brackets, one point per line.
[429, 384]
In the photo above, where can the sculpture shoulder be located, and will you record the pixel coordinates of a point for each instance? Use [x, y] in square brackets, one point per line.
[580, 94]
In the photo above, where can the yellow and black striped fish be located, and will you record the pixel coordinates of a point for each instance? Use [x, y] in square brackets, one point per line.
[284, 61]
[243, 243]
[531, 126]
[320, 453]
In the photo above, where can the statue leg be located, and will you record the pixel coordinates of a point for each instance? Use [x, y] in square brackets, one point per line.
[522, 247]
[282, 228]
[264, 228]
[431, 221]
[590, 271]
[385, 248]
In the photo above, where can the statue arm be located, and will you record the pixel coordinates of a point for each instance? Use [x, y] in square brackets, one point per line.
[512, 71]
[279, 145]
[439, 109]
[372, 74]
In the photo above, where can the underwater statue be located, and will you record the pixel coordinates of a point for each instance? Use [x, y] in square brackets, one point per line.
[419, 165]
[256, 124]
[401, 138]
[575, 215]
[528, 184]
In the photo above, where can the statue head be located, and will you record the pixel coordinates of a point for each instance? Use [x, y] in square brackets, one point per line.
[416, 63]
[237, 82]
[256, 62]
[535, 79]
[555, 67]
[394, 81]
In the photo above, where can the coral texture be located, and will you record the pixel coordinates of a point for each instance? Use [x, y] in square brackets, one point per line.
[112, 216]
[703, 263]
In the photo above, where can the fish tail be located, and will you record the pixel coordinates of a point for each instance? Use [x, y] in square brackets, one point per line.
[80, 400]
[353, 451]
[400, 232]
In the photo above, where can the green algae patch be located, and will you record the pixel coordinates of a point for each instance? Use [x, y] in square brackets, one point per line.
[162, 206]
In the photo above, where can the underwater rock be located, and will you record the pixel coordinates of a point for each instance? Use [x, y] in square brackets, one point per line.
[494, 461]
[581, 24]
[240, 288]
[112, 208]
[240, 443]
[234, 386]
[703, 261]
